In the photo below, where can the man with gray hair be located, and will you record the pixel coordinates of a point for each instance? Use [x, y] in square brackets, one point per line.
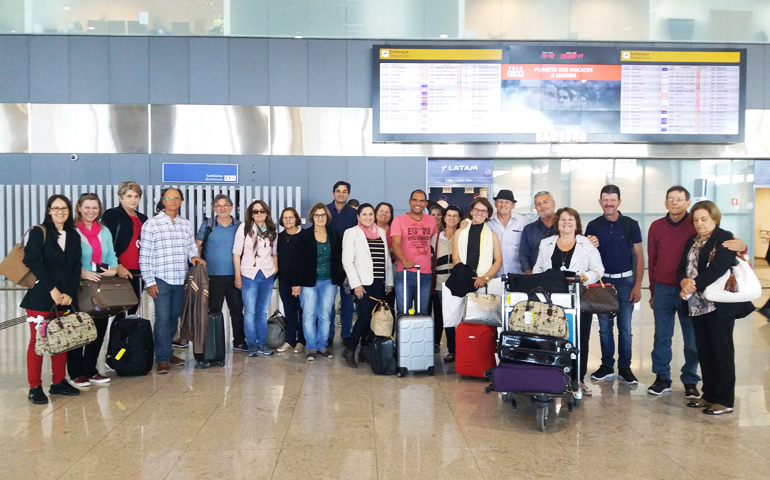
[215, 240]
[508, 226]
[536, 231]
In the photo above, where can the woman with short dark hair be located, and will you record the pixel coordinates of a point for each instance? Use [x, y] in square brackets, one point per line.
[52, 254]
[288, 241]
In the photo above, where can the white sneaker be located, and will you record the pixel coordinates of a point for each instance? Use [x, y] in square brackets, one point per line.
[299, 348]
[283, 347]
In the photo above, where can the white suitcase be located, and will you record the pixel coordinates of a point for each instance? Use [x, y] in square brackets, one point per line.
[414, 338]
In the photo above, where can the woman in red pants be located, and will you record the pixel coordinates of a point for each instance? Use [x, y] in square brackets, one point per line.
[52, 253]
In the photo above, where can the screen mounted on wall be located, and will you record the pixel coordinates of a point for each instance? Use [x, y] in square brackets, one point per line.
[558, 94]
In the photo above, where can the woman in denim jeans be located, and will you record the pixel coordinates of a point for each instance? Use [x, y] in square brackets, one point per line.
[256, 263]
[316, 273]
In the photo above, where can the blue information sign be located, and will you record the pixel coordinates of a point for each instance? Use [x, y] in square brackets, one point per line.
[460, 172]
[200, 172]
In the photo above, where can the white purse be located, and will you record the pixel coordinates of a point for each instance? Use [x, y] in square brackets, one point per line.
[749, 287]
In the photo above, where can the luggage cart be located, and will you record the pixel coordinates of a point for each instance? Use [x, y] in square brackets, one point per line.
[570, 302]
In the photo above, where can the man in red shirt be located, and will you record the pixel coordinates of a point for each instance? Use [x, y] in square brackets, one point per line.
[666, 240]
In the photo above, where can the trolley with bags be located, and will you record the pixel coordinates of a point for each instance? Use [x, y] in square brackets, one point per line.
[537, 347]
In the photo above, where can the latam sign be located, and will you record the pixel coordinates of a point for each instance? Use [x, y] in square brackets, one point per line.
[460, 172]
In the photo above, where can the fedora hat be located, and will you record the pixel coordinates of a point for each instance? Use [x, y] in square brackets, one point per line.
[505, 195]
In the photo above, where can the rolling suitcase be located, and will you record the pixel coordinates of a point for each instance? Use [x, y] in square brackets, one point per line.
[545, 350]
[382, 355]
[475, 350]
[522, 377]
[214, 345]
[131, 349]
[414, 338]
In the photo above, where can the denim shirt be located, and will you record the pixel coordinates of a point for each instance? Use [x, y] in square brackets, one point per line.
[531, 237]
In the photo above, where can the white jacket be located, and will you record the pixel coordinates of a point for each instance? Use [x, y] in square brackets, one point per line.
[357, 259]
[585, 258]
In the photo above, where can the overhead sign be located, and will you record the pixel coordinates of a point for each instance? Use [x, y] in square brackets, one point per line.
[200, 173]
[460, 172]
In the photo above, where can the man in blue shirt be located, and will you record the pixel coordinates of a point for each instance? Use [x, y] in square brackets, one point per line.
[619, 241]
[218, 253]
[536, 231]
[344, 216]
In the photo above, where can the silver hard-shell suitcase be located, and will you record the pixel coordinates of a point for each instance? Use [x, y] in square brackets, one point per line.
[414, 338]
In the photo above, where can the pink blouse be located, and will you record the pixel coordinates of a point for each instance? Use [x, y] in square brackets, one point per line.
[252, 263]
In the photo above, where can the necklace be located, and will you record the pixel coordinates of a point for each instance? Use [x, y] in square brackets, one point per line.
[563, 257]
[289, 236]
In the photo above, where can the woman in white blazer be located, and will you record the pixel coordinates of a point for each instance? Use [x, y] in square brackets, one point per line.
[569, 250]
[366, 261]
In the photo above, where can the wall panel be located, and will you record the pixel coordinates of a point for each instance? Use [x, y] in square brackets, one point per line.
[49, 69]
[14, 69]
[89, 69]
[327, 73]
[248, 67]
[209, 69]
[129, 70]
[169, 70]
[287, 72]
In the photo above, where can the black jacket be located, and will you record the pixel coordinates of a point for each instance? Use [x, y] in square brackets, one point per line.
[52, 267]
[304, 266]
[118, 216]
[723, 260]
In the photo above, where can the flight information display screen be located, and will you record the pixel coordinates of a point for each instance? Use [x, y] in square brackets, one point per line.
[535, 94]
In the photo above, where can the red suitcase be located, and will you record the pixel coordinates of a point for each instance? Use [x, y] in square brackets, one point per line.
[476, 346]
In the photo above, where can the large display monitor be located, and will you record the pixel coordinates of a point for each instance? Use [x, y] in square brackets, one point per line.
[558, 94]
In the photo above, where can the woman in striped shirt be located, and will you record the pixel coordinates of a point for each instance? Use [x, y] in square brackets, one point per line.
[365, 259]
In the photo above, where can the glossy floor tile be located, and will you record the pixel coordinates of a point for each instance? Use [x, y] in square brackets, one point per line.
[283, 418]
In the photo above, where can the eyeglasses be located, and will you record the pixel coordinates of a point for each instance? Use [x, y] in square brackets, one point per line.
[479, 211]
[260, 211]
[319, 215]
[223, 205]
[59, 209]
[175, 199]
[677, 199]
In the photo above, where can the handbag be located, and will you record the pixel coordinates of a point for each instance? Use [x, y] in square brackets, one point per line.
[276, 330]
[541, 318]
[13, 267]
[382, 319]
[738, 284]
[599, 298]
[64, 333]
[484, 309]
[554, 281]
[107, 297]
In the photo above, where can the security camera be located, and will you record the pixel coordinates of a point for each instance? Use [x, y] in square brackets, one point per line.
[73, 157]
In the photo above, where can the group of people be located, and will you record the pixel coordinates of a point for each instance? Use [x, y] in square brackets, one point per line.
[366, 255]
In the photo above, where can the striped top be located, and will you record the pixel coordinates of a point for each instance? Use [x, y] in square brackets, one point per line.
[378, 250]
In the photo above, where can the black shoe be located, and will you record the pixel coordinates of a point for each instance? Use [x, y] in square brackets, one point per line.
[627, 376]
[691, 391]
[765, 312]
[349, 357]
[363, 355]
[603, 373]
[436, 348]
[660, 386]
[37, 396]
[63, 388]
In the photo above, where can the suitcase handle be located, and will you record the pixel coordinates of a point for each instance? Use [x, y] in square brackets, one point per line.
[406, 307]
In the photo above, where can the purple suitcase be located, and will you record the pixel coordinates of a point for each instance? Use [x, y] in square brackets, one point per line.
[522, 377]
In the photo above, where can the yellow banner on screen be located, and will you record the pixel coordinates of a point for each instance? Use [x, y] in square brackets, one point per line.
[679, 57]
[440, 54]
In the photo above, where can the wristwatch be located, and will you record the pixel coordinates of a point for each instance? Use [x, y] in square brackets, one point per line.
[486, 278]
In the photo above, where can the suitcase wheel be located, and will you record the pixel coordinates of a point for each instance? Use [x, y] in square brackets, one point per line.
[221, 363]
[402, 372]
[542, 418]
[431, 371]
[488, 390]
[488, 373]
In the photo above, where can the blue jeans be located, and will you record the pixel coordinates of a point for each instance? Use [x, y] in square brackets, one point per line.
[346, 314]
[256, 300]
[168, 309]
[411, 292]
[623, 321]
[317, 304]
[664, 308]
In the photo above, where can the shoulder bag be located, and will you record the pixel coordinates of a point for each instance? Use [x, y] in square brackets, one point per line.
[738, 284]
[13, 267]
[599, 298]
[484, 309]
[382, 319]
[64, 333]
[541, 318]
[107, 297]
[276, 330]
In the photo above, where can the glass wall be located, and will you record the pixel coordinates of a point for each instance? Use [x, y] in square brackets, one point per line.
[604, 20]
[643, 185]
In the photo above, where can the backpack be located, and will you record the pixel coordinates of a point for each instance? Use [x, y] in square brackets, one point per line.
[206, 233]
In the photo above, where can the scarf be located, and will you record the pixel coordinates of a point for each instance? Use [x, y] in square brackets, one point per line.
[486, 256]
[371, 233]
[93, 239]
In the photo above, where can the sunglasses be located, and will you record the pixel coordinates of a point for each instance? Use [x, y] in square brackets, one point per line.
[259, 211]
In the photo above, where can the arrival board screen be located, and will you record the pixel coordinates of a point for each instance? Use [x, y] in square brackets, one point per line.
[532, 94]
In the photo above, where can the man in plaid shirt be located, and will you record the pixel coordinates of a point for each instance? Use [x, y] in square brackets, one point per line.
[167, 246]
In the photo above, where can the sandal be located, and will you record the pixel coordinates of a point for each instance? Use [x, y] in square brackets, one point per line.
[721, 411]
[586, 391]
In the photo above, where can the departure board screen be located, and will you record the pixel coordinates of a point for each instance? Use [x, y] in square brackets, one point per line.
[535, 94]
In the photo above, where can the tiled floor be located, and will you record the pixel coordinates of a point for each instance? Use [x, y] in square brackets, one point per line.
[281, 418]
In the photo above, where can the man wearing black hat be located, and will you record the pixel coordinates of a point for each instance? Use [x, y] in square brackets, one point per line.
[508, 227]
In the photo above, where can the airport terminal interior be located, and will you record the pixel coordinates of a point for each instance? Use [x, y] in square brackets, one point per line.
[279, 99]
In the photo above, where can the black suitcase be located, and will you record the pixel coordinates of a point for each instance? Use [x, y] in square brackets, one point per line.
[214, 346]
[131, 349]
[553, 281]
[535, 349]
[382, 355]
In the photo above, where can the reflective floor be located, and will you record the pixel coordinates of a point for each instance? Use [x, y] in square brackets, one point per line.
[281, 418]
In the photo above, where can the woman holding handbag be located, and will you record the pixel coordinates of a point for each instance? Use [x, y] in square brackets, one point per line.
[569, 250]
[125, 225]
[52, 254]
[365, 259]
[705, 260]
[442, 267]
[97, 260]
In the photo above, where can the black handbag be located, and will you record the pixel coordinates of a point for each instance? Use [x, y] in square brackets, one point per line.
[552, 281]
